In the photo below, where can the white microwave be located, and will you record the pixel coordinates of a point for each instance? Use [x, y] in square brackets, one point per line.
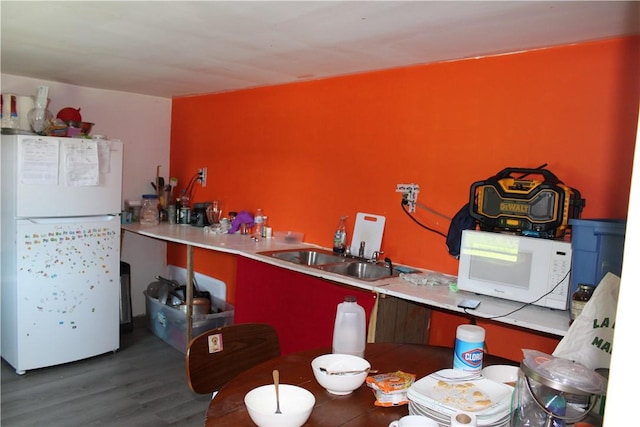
[518, 268]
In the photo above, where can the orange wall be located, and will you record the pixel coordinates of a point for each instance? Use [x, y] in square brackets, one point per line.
[310, 152]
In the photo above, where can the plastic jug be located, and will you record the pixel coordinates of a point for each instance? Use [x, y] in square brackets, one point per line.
[349, 332]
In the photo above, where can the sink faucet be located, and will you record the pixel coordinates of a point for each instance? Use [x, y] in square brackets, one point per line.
[361, 250]
[376, 256]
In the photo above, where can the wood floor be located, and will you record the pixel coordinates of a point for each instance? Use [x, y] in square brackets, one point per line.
[142, 384]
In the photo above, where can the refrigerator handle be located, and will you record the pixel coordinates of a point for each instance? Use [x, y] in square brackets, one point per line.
[72, 219]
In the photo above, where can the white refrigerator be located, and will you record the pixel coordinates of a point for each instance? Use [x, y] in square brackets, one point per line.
[60, 234]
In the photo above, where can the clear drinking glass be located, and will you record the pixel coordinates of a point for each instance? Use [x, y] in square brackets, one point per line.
[214, 212]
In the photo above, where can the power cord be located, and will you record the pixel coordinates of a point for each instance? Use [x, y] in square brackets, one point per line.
[523, 305]
[403, 204]
[188, 190]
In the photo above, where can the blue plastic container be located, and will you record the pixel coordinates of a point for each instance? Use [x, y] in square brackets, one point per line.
[597, 246]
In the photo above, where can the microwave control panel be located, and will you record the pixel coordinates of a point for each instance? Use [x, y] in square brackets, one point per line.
[559, 273]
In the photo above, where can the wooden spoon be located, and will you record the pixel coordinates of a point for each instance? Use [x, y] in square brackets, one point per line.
[276, 382]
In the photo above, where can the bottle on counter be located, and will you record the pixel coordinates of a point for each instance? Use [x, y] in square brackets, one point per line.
[340, 236]
[184, 200]
[579, 299]
[183, 208]
[258, 220]
[266, 230]
[349, 331]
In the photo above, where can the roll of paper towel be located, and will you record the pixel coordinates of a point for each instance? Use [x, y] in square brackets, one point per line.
[25, 104]
[463, 419]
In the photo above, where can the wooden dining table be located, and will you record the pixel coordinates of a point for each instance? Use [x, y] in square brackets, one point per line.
[354, 410]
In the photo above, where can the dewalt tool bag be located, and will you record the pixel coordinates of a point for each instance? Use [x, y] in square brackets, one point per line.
[531, 202]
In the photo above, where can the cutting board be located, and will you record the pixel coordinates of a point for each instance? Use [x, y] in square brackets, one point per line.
[368, 229]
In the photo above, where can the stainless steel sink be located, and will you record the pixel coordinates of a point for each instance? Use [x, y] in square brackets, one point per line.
[309, 257]
[360, 270]
[330, 262]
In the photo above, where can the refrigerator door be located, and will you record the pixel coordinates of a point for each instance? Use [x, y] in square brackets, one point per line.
[68, 294]
[59, 177]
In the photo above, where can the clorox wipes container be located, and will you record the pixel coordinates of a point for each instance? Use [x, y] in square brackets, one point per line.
[469, 348]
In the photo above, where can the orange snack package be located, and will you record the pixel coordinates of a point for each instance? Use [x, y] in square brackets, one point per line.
[391, 388]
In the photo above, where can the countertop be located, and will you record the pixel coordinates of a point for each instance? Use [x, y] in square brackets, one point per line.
[439, 295]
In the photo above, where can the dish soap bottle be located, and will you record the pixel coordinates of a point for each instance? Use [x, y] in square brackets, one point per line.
[340, 236]
[349, 331]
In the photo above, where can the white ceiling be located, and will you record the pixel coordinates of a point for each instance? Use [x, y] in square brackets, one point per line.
[175, 48]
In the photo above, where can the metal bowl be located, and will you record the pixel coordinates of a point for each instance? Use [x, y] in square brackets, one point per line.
[86, 127]
[200, 306]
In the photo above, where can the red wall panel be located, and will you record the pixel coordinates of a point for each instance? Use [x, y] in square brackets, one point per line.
[301, 308]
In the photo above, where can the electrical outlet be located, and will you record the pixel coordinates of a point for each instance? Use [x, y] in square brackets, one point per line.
[409, 194]
[202, 176]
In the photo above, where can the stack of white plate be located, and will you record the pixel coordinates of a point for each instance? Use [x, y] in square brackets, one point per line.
[440, 398]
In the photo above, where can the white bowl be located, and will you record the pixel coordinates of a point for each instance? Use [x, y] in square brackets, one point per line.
[506, 374]
[340, 384]
[296, 404]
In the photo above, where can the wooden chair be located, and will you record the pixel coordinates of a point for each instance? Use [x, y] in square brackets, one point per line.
[216, 356]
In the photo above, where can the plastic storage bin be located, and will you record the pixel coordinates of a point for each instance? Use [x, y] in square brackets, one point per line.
[597, 247]
[170, 324]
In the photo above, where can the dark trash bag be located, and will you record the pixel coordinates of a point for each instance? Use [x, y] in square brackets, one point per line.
[460, 222]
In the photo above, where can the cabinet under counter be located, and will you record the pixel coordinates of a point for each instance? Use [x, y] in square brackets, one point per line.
[301, 307]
